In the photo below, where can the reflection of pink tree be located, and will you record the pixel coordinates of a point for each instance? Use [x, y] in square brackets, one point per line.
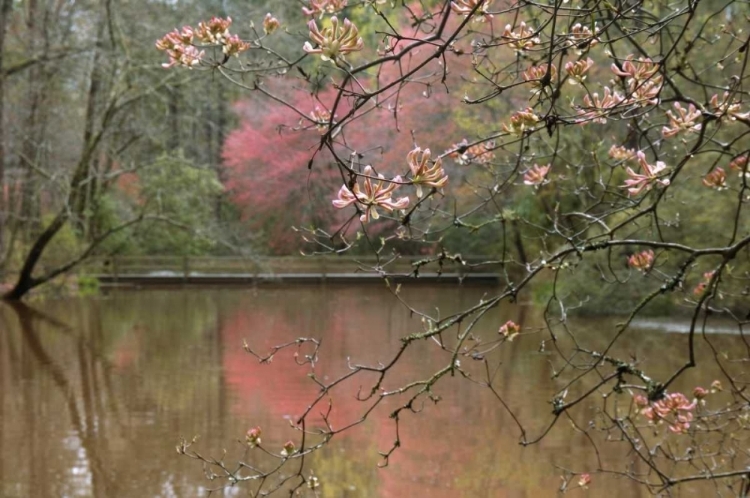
[283, 392]
[434, 456]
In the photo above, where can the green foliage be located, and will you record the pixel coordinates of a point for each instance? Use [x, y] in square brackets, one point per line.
[65, 246]
[111, 210]
[185, 198]
[607, 286]
[88, 285]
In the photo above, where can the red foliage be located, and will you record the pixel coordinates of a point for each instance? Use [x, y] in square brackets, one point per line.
[129, 184]
[266, 160]
[267, 156]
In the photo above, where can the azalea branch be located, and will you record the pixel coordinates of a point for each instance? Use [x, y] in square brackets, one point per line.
[576, 144]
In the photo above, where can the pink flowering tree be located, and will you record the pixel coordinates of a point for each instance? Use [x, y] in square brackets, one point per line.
[584, 139]
[261, 159]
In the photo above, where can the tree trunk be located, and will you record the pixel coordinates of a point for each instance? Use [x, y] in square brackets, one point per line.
[5, 11]
[174, 115]
[221, 124]
[26, 281]
[75, 205]
[519, 243]
[30, 148]
[82, 197]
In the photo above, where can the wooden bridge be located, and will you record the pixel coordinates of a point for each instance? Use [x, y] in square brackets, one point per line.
[171, 270]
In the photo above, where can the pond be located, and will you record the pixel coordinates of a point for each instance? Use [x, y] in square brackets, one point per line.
[96, 392]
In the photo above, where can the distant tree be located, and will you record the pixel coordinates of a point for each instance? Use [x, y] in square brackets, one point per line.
[265, 162]
[274, 144]
[177, 196]
[83, 103]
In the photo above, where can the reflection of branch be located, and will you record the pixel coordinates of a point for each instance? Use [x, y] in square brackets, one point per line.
[26, 316]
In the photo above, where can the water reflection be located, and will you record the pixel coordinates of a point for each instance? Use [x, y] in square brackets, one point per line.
[96, 392]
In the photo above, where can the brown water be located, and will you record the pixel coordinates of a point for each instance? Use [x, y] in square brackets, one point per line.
[96, 392]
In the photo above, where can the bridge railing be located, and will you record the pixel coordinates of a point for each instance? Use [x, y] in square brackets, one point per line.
[229, 265]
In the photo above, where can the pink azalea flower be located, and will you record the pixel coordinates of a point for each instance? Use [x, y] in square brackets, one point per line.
[320, 7]
[321, 117]
[620, 153]
[700, 289]
[289, 449]
[522, 38]
[581, 36]
[465, 7]
[675, 409]
[184, 55]
[253, 437]
[334, 41]
[646, 92]
[510, 330]
[739, 164]
[534, 74]
[728, 108]
[536, 175]
[584, 480]
[577, 70]
[477, 154]
[214, 31]
[639, 182]
[683, 121]
[234, 46]
[424, 174]
[640, 400]
[716, 179]
[521, 121]
[170, 40]
[179, 48]
[270, 24]
[638, 69]
[644, 84]
[371, 196]
[178, 45]
[642, 261]
[596, 109]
